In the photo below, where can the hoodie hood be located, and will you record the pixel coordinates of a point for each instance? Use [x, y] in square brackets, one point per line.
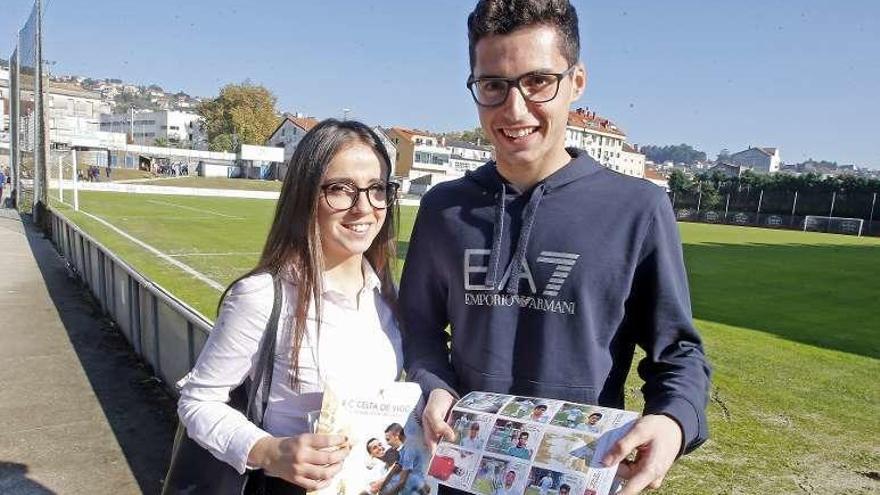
[488, 178]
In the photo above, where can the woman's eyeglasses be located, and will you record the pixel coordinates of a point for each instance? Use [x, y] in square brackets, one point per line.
[344, 195]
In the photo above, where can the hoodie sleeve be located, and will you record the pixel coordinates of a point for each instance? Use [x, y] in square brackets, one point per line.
[423, 298]
[675, 369]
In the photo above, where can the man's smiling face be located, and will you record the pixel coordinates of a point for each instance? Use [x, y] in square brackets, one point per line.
[526, 133]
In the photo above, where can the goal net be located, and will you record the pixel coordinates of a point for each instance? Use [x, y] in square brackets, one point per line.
[834, 225]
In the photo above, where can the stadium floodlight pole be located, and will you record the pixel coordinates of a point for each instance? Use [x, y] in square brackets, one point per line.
[75, 185]
[726, 207]
[760, 201]
[831, 213]
[60, 180]
[700, 197]
[871, 220]
[794, 207]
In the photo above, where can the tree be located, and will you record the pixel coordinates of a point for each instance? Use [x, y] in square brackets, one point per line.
[678, 182]
[242, 114]
[475, 136]
[681, 153]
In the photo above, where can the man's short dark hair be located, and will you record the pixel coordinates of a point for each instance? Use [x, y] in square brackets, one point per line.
[491, 17]
[564, 487]
[396, 429]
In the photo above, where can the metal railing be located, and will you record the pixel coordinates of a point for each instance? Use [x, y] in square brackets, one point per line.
[165, 332]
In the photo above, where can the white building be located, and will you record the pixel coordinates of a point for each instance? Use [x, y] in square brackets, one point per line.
[145, 127]
[289, 133]
[466, 156]
[603, 141]
[631, 161]
[758, 159]
[390, 147]
[72, 112]
[4, 99]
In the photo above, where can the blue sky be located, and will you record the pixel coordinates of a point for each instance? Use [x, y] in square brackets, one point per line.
[802, 76]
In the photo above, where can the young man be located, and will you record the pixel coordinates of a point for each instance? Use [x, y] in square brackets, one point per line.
[472, 440]
[545, 484]
[507, 487]
[520, 450]
[538, 413]
[409, 478]
[547, 268]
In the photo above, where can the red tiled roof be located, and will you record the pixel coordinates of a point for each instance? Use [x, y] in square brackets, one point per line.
[304, 123]
[651, 173]
[629, 148]
[589, 120]
[409, 133]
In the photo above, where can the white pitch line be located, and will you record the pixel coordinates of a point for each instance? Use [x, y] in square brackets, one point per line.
[202, 210]
[188, 269]
[183, 255]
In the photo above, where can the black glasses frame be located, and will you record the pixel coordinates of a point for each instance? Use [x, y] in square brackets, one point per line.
[517, 83]
[391, 189]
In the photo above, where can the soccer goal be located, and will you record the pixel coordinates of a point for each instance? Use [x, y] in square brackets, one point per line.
[834, 225]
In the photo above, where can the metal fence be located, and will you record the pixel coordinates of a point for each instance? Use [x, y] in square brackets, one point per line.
[776, 209]
[165, 332]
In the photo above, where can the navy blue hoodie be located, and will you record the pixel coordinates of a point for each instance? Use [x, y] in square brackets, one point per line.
[548, 291]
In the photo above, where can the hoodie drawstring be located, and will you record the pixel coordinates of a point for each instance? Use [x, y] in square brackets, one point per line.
[497, 236]
[522, 243]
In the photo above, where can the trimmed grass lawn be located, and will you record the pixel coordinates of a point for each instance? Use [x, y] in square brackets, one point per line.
[790, 321]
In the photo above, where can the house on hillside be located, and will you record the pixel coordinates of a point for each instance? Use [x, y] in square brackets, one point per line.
[764, 160]
[656, 178]
[288, 134]
[423, 158]
[390, 148]
[604, 141]
[728, 169]
[466, 156]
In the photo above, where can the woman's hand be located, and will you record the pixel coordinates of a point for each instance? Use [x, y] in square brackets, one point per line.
[306, 460]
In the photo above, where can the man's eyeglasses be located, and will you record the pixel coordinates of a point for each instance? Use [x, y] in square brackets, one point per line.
[343, 195]
[536, 87]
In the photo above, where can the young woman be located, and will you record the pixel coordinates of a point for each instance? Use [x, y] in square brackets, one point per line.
[331, 243]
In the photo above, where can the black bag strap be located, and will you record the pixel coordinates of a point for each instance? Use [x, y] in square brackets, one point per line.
[266, 361]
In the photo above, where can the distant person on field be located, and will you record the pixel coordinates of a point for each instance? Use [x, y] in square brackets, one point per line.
[541, 271]
[331, 244]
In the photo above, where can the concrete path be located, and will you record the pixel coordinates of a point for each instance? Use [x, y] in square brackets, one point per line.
[79, 414]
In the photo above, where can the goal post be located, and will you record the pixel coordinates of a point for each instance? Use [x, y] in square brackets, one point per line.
[834, 225]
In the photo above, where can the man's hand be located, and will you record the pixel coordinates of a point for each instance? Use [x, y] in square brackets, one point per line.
[656, 439]
[434, 418]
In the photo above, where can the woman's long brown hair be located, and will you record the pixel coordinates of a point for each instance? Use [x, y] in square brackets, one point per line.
[293, 246]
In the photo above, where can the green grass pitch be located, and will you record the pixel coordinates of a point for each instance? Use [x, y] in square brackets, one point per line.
[791, 323]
